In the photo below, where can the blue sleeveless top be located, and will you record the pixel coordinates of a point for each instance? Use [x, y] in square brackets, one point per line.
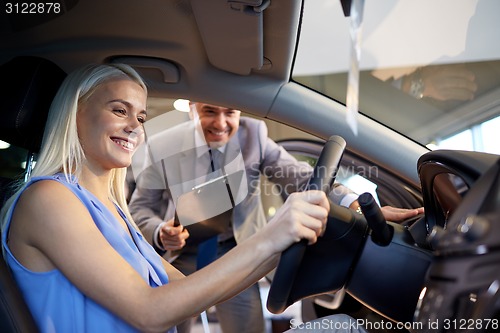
[56, 304]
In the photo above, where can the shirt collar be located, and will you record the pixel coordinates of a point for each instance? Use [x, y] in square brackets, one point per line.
[199, 141]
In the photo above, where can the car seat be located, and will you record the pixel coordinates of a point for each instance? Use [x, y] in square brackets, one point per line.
[29, 86]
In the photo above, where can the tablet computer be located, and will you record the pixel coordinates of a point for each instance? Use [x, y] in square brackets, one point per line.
[206, 209]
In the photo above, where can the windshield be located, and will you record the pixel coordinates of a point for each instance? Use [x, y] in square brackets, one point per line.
[429, 69]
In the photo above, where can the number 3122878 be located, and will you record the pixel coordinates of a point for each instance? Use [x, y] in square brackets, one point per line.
[32, 8]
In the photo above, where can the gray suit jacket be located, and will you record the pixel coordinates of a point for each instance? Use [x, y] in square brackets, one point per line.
[151, 202]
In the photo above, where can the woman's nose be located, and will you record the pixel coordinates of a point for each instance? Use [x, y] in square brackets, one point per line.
[135, 127]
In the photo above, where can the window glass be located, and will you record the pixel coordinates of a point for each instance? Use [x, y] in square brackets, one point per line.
[427, 81]
[356, 182]
[490, 135]
[462, 141]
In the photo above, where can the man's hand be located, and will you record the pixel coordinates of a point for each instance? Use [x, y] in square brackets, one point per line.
[452, 82]
[395, 214]
[172, 237]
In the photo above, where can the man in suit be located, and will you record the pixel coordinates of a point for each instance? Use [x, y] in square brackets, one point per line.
[180, 157]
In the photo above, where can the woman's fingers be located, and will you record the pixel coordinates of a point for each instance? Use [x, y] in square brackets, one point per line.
[310, 209]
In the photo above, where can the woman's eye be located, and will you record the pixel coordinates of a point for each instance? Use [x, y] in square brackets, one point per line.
[142, 120]
[120, 111]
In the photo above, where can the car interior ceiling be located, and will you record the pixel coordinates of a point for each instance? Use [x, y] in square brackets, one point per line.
[182, 36]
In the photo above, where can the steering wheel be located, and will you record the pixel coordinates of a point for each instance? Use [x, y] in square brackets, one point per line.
[323, 176]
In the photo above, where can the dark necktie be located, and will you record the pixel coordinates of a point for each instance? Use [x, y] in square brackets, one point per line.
[216, 158]
[207, 250]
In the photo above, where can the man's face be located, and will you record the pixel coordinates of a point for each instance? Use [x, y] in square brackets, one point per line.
[219, 124]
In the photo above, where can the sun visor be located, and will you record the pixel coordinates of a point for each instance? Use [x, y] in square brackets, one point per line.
[232, 32]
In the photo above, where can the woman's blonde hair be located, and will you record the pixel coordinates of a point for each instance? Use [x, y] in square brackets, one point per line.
[61, 150]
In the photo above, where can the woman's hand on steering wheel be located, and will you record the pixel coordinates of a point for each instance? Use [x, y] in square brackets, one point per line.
[303, 216]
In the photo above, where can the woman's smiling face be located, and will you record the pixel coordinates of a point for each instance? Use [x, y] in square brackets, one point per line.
[110, 123]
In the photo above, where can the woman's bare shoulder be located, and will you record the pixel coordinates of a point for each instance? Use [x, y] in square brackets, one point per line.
[44, 190]
[40, 217]
[44, 198]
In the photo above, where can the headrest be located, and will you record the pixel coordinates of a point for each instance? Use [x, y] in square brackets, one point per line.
[29, 86]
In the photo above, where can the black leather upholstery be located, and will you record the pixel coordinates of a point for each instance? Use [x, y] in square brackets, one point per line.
[29, 85]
